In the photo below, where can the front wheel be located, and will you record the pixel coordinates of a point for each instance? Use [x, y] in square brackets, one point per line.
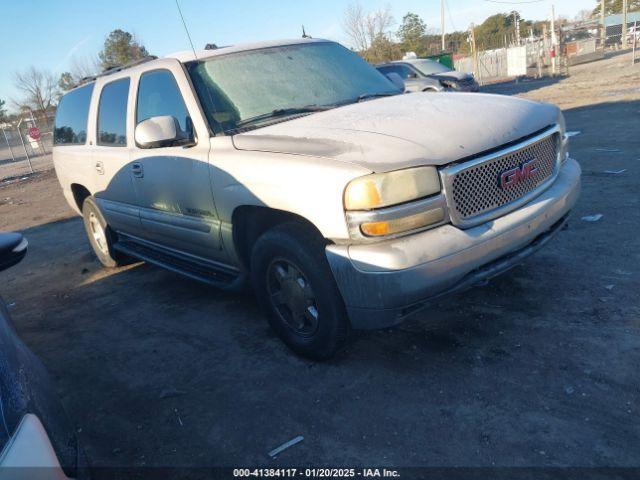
[296, 289]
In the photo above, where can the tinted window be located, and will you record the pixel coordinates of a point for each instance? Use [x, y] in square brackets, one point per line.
[71, 117]
[401, 70]
[112, 114]
[158, 95]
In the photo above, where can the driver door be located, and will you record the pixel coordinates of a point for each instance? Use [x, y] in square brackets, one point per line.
[172, 184]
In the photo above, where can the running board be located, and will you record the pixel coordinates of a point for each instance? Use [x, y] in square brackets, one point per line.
[193, 267]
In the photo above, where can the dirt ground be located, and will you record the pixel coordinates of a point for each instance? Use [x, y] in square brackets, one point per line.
[538, 368]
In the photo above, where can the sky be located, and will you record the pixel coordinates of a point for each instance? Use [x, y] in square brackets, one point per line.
[53, 34]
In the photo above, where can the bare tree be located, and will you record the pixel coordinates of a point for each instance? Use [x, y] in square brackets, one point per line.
[39, 89]
[355, 26]
[370, 32]
[583, 15]
[82, 67]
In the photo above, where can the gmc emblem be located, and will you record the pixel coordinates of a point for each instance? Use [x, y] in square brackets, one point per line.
[513, 177]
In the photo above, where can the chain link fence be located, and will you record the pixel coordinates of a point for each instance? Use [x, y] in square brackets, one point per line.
[25, 146]
[534, 58]
[578, 42]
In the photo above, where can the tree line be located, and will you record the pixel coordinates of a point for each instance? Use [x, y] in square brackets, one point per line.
[612, 7]
[40, 89]
[374, 36]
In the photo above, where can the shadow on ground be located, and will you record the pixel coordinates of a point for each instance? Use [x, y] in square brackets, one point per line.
[515, 87]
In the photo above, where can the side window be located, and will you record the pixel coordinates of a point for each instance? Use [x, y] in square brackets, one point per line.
[112, 114]
[404, 71]
[71, 117]
[158, 95]
[401, 70]
[409, 71]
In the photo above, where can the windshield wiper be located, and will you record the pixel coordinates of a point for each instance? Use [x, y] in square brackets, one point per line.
[367, 96]
[282, 112]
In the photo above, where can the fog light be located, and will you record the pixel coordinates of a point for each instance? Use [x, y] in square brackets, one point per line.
[405, 224]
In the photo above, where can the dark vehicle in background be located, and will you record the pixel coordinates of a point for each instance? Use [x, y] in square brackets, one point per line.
[425, 75]
[36, 439]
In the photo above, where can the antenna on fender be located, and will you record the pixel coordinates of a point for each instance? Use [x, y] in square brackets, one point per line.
[304, 34]
[186, 30]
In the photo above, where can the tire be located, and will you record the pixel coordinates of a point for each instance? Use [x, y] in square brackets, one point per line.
[100, 235]
[296, 289]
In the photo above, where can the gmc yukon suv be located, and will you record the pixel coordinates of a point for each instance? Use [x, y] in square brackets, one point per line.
[299, 167]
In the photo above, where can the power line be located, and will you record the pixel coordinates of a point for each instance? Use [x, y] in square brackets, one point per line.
[450, 17]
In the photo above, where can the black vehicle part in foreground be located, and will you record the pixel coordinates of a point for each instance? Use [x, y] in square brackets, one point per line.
[25, 386]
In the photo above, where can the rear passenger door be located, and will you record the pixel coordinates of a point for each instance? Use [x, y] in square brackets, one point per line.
[173, 184]
[115, 194]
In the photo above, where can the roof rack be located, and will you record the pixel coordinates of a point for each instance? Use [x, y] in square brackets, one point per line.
[111, 70]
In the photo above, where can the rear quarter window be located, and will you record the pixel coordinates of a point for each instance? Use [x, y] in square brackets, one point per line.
[71, 117]
[112, 114]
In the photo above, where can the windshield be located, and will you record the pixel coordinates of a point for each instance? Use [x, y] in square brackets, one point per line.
[263, 84]
[429, 67]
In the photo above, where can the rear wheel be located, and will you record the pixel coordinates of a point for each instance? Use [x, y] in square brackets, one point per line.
[296, 289]
[100, 236]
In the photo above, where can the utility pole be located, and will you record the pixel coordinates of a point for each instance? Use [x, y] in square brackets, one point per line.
[474, 52]
[603, 29]
[624, 23]
[516, 24]
[442, 23]
[635, 40]
[554, 41]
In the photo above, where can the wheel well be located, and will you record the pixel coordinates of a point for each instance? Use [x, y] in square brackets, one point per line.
[79, 194]
[250, 222]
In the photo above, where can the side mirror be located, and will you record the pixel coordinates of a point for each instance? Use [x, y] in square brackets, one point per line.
[412, 75]
[396, 80]
[164, 131]
[13, 248]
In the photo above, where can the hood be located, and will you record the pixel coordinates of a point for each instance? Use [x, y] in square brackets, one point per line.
[453, 74]
[405, 130]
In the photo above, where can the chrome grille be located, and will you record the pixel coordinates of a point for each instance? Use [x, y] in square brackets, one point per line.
[475, 190]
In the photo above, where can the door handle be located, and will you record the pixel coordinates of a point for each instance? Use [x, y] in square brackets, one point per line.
[137, 170]
[100, 167]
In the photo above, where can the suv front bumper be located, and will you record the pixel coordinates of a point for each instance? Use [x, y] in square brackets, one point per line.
[383, 283]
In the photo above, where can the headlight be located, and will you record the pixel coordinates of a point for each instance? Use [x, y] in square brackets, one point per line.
[390, 204]
[385, 189]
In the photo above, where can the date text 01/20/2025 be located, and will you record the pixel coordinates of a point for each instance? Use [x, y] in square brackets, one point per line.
[316, 473]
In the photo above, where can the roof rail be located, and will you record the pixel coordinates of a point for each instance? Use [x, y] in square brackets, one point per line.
[119, 68]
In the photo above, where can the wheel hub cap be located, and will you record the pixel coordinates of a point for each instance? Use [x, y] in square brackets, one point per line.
[292, 297]
[98, 234]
